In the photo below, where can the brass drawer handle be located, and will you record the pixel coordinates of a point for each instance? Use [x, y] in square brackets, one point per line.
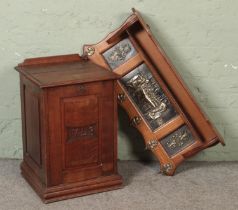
[152, 144]
[135, 121]
[121, 97]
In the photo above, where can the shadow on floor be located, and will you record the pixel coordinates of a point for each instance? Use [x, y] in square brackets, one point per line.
[137, 145]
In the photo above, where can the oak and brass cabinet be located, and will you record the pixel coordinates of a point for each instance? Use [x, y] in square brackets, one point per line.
[155, 97]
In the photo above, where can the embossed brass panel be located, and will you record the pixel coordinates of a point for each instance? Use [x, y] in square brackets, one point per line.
[148, 96]
[119, 53]
[177, 141]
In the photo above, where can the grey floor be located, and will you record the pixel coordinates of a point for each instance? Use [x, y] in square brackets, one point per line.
[197, 185]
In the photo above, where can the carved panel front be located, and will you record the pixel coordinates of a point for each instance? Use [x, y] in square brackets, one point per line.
[119, 53]
[148, 96]
[83, 132]
[177, 141]
[81, 139]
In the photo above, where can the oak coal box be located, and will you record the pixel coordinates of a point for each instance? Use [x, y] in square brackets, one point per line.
[69, 124]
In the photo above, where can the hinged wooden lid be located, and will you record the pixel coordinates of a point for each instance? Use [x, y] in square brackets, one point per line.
[63, 70]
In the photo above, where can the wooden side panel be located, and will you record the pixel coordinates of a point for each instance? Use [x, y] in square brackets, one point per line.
[32, 116]
[33, 135]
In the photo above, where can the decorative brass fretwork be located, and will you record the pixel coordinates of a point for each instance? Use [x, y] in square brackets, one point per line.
[90, 51]
[143, 88]
[148, 96]
[135, 121]
[119, 53]
[166, 168]
[152, 144]
[121, 97]
[178, 140]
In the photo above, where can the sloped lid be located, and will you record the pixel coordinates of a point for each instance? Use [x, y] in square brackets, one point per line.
[58, 74]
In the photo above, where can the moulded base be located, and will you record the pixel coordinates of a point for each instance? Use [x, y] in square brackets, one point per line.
[72, 190]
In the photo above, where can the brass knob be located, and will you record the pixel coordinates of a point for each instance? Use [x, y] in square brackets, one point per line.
[81, 88]
[152, 144]
[166, 168]
[135, 121]
[121, 97]
[90, 51]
